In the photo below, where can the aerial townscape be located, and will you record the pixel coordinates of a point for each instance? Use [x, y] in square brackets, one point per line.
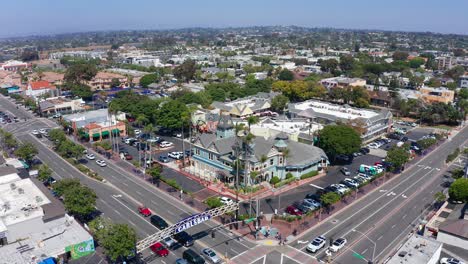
[300, 132]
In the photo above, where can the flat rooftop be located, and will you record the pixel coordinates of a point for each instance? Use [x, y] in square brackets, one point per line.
[417, 250]
[341, 111]
[20, 200]
[287, 126]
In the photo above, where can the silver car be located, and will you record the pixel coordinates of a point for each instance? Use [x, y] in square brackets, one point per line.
[210, 255]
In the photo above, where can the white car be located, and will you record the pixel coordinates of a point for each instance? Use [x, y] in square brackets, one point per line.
[42, 131]
[210, 255]
[90, 156]
[165, 144]
[169, 242]
[137, 132]
[101, 163]
[351, 182]
[338, 244]
[176, 155]
[316, 244]
[35, 132]
[226, 200]
[450, 261]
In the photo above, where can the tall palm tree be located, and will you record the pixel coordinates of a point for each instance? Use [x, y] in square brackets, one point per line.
[252, 120]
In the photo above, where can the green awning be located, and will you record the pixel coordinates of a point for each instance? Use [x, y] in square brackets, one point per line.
[96, 135]
[115, 131]
[105, 133]
[85, 135]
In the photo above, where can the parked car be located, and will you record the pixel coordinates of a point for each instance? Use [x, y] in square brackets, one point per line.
[145, 211]
[101, 163]
[226, 200]
[184, 239]
[35, 132]
[350, 183]
[303, 207]
[125, 155]
[345, 171]
[344, 159]
[210, 255]
[42, 131]
[316, 244]
[90, 156]
[181, 261]
[137, 132]
[450, 261]
[158, 222]
[292, 210]
[163, 158]
[192, 257]
[176, 155]
[338, 244]
[360, 180]
[159, 249]
[313, 202]
[165, 144]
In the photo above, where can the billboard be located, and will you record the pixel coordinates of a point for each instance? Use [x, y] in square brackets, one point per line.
[81, 249]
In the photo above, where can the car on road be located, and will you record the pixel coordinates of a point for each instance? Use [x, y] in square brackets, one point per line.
[90, 156]
[316, 244]
[181, 261]
[210, 255]
[178, 135]
[159, 249]
[169, 242]
[165, 144]
[450, 261]
[153, 140]
[226, 200]
[145, 211]
[292, 210]
[125, 155]
[338, 244]
[163, 158]
[345, 171]
[192, 257]
[158, 222]
[176, 155]
[184, 239]
[101, 163]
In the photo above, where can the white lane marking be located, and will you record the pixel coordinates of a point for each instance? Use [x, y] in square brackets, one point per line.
[404, 216]
[139, 193]
[316, 186]
[117, 212]
[237, 253]
[282, 256]
[264, 259]
[124, 183]
[393, 226]
[380, 237]
[365, 250]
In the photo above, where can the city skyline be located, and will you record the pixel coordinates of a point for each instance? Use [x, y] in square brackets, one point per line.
[67, 17]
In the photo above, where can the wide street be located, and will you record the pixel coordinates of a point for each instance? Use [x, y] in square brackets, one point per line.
[119, 197]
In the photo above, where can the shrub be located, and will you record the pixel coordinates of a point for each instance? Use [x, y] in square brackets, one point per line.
[274, 180]
[213, 202]
[284, 182]
[289, 175]
[453, 156]
[309, 175]
[173, 183]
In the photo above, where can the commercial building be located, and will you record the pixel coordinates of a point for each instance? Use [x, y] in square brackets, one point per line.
[103, 80]
[246, 106]
[34, 225]
[369, 123]
[436, 95]
[342, 82]
[96, 125]
[464, 81]
[60, 105]
[14, 66]
[417, 250]
[215, 155]
[445, 63]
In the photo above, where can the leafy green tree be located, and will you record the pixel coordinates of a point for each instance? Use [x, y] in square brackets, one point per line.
[185, 71]
[148, 79]
[99, 227]
[339, 139]
[171, 113]
[115, 82]
[458, 191]
[44, 173]
[57, 135]
[440, 197]
[400, 55]
[279, 103]
[347, 63]
[26, 151]
[286, 75]
[274, 180]
[213, 202]
[118, 240]
[81, 90]
[398, 156]
[426, 143]
[8, 140]
[459, 52]
[329, 65]
[330, 198]
[80, 200]
[64, 185]
[155, 173]
[80, 72]
[416, 62]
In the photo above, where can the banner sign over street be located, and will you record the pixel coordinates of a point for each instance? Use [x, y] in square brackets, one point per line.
[192, 221]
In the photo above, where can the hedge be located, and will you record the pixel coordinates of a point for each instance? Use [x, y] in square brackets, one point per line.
[309, 175]
[284, 182]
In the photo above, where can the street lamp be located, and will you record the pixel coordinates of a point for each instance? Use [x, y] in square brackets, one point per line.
[372, 241]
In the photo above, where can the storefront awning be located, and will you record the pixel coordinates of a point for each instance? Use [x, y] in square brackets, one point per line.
[105, 133]
[115, 131]
[96, 135]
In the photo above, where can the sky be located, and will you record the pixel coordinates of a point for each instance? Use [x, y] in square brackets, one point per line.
[37, 17]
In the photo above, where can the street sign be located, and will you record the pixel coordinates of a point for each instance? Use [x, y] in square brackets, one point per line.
[191, 221]
[359, 256]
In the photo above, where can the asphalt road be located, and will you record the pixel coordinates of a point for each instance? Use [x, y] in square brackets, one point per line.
[119, 197]
[385, 216]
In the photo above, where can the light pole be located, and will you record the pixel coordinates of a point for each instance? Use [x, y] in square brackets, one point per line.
[372, 241]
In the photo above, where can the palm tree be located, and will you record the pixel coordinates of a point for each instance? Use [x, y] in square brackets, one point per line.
[252, 120]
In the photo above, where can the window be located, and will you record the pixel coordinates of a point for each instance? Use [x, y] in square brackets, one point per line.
[210, 156]
[197, 151]
[271, 161]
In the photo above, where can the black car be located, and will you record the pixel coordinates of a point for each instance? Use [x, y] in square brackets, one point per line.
[343, 159]
[192, 257]
[184, 239]
[158, 222]
[364, 151]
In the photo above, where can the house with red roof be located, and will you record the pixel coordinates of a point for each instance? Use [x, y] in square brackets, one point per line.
[40, 88]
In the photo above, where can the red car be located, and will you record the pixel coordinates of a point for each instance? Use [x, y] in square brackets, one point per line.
[144, 211]
[159, 249]
[292, 210]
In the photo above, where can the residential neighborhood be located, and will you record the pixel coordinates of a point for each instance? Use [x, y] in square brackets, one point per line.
[233, 144]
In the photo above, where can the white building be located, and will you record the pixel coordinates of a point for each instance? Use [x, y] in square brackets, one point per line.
[464, 81]
[417, 250]
[13, 65]
[33, 224]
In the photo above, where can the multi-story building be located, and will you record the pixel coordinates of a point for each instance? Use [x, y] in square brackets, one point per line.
[464, 81]
[342, 82]
[445, 63]
[215, 155]
[370, 124]
[33, 223]
[103, 80]
[14, 65]
[60, 105]
[436, 95]
[247, 106]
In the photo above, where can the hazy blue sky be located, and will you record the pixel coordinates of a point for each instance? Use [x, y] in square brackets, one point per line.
[25, 17]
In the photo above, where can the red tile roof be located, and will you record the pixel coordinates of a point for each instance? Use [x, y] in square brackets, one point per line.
[41, 85]
[92, 126]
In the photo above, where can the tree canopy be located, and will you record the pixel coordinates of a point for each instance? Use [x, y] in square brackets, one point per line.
[279, 103]
[458, 191]
[339, 139]
[173, 114]
[26, 151]
[79, 72]
[398, 156]
[185, 71]
[148, 79]
[286, 75]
